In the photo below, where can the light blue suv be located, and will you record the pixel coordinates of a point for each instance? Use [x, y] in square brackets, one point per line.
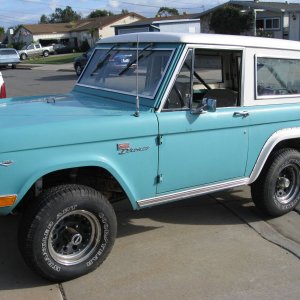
[184, 115]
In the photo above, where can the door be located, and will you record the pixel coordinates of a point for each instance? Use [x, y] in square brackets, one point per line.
[209, 147]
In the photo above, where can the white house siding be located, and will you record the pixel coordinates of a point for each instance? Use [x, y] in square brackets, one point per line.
[110, 30]
[53, 36]
[180, 27]
[294, 27]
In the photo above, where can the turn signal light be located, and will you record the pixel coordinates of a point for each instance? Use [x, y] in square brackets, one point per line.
[3, 91]
[7, 200]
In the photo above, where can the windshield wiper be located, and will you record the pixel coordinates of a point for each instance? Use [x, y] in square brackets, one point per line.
[135, 59]
[104, 59]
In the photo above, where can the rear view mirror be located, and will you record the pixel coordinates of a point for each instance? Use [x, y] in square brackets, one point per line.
[207, 105]
[211, 104]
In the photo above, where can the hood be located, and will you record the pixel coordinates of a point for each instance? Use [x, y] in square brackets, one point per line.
[45, 121]
[69, 105]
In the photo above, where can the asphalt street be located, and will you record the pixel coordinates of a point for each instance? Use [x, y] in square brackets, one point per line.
[217, 246]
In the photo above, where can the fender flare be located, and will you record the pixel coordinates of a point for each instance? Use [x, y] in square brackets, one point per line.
[274, 139]
[104, 164]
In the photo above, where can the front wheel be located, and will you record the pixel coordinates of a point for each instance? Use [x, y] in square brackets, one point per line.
[277, 190]
[78, 69]
[67, 232]
[46, 53]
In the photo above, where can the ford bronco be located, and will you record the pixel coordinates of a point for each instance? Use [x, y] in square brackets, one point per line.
[186, 115]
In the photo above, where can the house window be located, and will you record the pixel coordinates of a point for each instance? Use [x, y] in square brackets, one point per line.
[268, 24]
[260, 24]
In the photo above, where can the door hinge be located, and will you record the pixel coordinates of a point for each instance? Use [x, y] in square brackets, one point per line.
[159, 139]
[159, 178]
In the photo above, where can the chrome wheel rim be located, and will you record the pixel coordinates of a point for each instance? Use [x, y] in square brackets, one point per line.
[74, 237]
[287, 184]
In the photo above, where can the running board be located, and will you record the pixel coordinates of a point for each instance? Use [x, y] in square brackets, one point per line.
[192, 192]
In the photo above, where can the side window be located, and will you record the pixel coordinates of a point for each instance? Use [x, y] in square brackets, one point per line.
[207, 74]
[180, 95]
[277, 76]
[30, 47]
[217, 76]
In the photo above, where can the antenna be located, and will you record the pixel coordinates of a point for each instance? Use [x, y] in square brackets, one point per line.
[137, 112]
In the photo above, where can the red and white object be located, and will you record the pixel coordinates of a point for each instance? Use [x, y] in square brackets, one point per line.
[2, 87]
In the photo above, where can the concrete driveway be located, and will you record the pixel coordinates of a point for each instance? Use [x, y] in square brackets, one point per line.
[211, 247]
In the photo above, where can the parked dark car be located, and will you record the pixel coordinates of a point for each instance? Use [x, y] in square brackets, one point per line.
[80, 62]
[9, 57]
[117, 63]
[61, 48]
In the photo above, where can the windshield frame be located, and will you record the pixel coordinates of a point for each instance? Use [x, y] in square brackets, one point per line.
[126, 47]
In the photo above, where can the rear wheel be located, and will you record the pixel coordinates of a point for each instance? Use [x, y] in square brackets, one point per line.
[23, 56]
[68, 232]
[277, 190]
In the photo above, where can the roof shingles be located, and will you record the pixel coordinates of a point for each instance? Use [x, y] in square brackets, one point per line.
[82, 25]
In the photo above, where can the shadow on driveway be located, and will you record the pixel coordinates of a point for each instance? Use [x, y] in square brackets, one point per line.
[59, 77]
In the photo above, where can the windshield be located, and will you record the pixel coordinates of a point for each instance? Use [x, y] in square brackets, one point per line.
[116, 69]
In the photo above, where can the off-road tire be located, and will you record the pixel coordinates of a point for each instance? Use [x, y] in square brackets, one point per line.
[67, 232]
[277, 190]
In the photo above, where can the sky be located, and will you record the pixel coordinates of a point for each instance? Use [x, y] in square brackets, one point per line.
[15, 12]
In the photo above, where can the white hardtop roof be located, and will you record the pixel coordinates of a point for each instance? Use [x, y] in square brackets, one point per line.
[210, 39]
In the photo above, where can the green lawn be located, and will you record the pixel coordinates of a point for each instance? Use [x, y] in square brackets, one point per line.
[52, 59]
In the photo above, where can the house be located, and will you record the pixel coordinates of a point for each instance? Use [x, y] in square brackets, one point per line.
[46, 34]
[2, 38]
[271, 19]
[98, 28]
[74, 33]
[183, 23]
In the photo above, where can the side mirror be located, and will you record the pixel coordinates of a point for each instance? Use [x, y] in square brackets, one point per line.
[207, 105]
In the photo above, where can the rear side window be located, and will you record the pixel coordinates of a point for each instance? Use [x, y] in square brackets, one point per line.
[277, 77]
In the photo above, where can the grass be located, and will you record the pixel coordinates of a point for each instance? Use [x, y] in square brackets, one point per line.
[52, 59]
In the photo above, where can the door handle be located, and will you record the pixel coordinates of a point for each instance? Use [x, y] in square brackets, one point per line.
[242, 114]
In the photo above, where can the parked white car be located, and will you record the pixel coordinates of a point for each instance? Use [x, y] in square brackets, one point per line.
[9, 57]
[2, 87]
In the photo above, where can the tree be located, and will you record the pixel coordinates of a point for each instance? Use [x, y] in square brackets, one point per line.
[167, 11]
[66, 15]
[44, 19]
[230, 20]
[124, 11]
[100, 13]
[2, 30]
